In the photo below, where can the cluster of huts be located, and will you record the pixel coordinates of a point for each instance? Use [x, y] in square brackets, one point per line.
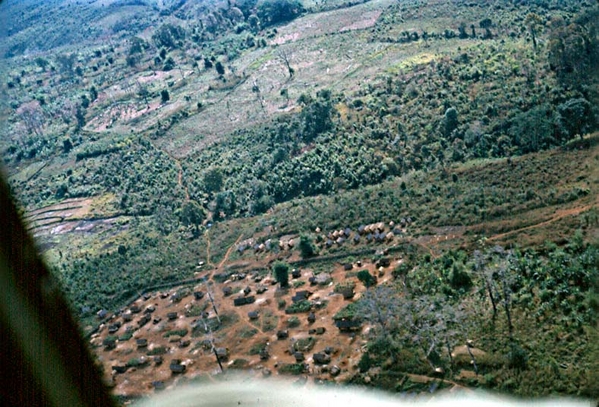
[251, 244]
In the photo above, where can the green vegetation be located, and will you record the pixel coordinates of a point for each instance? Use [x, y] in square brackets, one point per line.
[291, 368]
[158, 350]
[134, 159]
[366, 278]
[304, 344]
[299, 307]
[293, 322]
[281, 273]
[176, 332]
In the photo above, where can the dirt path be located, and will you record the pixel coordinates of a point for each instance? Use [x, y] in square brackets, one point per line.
[229, 250]
[179, 166]
[208, 261]
[560, 214]
[180, 177]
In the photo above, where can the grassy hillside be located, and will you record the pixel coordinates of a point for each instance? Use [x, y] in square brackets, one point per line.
[142, 138]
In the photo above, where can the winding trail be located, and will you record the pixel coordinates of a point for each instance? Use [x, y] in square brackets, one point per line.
[560, 214]
[179, 166]
[208, 261]
[229, 250]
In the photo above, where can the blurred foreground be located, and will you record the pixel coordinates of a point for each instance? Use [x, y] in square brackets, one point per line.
[246, 392]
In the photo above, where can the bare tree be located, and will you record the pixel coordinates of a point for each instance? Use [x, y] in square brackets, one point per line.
[381, 306]
[32, 115]
[486, 277]
[284, 56]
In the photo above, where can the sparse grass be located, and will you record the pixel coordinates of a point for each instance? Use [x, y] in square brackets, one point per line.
[246, 333]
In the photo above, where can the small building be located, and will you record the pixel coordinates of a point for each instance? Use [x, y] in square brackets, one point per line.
[383, 262]
[299, 357]
[102, 314]
[321, 358]
[171, 316]
[296, 273]
[247, 290]
[348, 266]
[240, 301]
[227, 291]
[261, 289]
[311, 318]
[347, 324]
[301, 295]
[114, 327]
[264, 355]
[127, 317]
[198, 295]
[320, 330]
[142, 343]
[156, 320]
[158, 360]
[222, 353]
[120, 368]
[283, 334]
[143, 320]
[253, 315]
[184, 343]
[176, 366]
[150, 309]
[135, 309]
[158, 385]
[109, 343]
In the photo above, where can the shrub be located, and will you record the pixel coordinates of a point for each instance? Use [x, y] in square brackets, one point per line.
[366, 278]
[164, 96]
[517, 358]
[292, 368]
[178, 332]
[281, 272]
[159, 350]
[293, 322]
[298, 307]
[306, 246]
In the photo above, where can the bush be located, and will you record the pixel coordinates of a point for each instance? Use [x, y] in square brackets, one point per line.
[306, 246]
[298, 307]
[164, 96]
[517, 358]
[281, 272]
[159, 350]
[178, 332]
[292, 368]
[366, 278]
[293, 322]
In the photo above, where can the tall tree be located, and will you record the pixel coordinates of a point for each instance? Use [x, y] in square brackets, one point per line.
[281, 272]
[192, 214]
